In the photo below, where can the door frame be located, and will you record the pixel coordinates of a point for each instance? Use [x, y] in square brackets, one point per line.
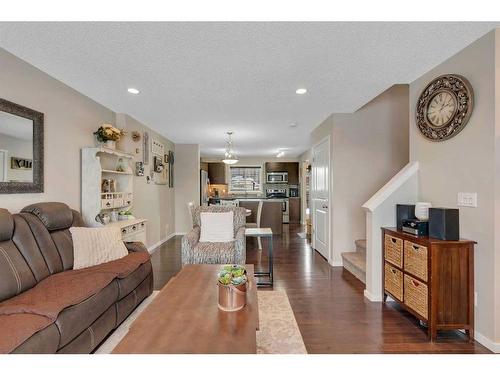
[5, 163]
[330, 200]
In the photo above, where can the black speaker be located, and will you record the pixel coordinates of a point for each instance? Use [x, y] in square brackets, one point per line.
[404, 211]
[444, 224]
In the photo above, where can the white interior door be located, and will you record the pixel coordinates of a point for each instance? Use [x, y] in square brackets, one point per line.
[321, 198]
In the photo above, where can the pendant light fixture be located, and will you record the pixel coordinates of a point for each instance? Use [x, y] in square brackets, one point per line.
[229, 156]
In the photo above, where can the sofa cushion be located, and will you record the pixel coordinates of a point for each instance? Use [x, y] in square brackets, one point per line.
[15, 274]
[92, 336]
[94, 246]
[54, 215]
[214, 253]
[216, 226]
[6, 225]
[75, 319]
[129, 283]
[45, 341]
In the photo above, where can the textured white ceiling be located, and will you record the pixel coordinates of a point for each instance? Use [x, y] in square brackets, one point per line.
[199, 80]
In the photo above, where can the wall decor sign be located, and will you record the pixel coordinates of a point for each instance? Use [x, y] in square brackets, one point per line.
[145, 154]
[444, 107]
[20, 163]
[157, 147]
[170, 159]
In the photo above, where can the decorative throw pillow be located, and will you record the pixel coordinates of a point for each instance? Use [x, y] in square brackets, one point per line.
[93, 246]
[217, 226]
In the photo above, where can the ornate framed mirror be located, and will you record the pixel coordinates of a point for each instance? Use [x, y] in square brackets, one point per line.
[21, 149]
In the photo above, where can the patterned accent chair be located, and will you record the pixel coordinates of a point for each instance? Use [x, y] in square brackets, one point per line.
[195, 252]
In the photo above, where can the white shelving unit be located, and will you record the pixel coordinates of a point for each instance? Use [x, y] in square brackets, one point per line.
[100, 163]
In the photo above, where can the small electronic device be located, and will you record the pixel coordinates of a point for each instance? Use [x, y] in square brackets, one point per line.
[415, 227]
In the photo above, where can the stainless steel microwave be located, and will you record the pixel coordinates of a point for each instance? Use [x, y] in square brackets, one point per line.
[277, 177]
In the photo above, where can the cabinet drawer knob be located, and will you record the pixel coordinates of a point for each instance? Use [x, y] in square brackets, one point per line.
[393, 270]
[416, 247]
[124, 230]
[415, 283]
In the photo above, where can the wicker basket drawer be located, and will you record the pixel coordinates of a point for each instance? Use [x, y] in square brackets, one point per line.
[415, 257]
[393, 250]
[393, 281]
[415, 296]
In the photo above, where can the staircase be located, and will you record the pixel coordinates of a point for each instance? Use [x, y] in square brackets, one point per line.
[355, 261]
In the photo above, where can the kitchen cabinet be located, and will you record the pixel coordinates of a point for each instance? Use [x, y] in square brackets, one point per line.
[217, 173]
[294, 210]
[290, 167]
[276, 167]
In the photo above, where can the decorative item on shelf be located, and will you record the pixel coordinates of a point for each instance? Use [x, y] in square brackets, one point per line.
[422, 210]
[108, 135]
[139, 168]
[121, 165]
[113, 215]
[106, 185]
[103, 218]
[444, 107]
[125, 215]
[232, 284]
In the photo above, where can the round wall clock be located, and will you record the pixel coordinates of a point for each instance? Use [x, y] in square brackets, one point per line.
[444, 107]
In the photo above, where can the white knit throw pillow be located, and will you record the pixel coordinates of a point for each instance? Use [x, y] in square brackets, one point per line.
[217, 226]
[93, 246]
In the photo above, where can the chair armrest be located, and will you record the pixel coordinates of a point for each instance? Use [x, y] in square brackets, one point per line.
[240, 247]
[189, 242]
[134, 247]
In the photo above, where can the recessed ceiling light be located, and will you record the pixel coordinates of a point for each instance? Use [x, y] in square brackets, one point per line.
[294, 125]
[301, 91]
[280, 154]
[133, 90]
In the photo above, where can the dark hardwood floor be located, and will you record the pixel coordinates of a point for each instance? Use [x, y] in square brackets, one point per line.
[328, 303]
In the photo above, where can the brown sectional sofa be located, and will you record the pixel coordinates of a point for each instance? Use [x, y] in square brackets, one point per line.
[36, 244]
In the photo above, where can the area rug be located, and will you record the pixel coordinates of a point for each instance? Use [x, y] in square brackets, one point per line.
[278, 333]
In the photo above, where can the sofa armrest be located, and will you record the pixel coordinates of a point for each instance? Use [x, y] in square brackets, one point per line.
[189, 242]
[240, 247]
[134, 247]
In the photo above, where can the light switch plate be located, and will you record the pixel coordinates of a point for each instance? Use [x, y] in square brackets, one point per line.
[467, 199]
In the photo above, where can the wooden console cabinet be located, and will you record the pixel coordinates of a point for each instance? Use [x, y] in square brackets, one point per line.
[433, 279]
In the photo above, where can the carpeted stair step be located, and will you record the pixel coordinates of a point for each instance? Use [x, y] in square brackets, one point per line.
[360, 245]
[355, 263]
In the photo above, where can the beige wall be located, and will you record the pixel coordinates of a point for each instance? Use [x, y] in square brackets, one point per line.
[151, 201]
[369, 147]
[466, 163]
[187, 183]
[70, 120]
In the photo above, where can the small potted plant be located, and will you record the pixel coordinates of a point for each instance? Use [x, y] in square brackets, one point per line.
[232, 283]
[109, 135]
[125, 215]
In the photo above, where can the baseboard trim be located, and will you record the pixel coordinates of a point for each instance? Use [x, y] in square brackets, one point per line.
[152, 248]
[375, 298]
[483, 340]
[337, 263]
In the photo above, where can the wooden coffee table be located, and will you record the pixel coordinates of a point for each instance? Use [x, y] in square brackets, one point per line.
[184, 318]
